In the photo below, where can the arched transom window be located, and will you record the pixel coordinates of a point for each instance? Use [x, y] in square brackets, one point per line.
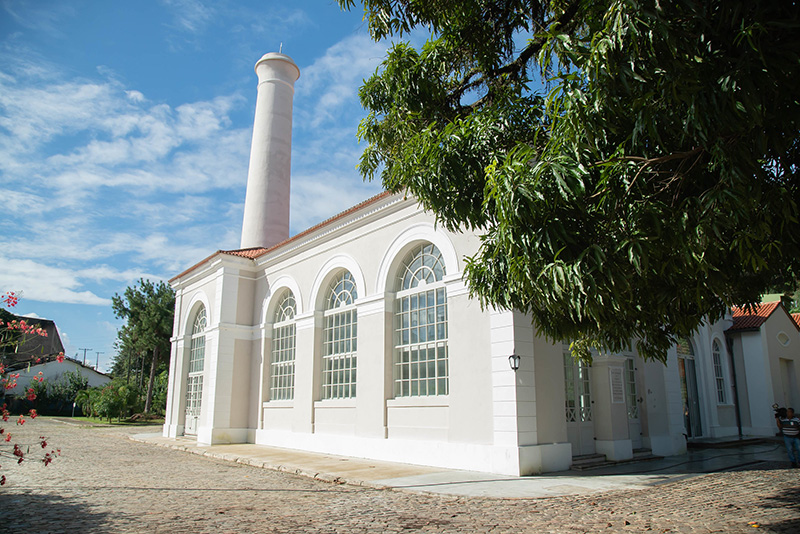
[340, 336]
[420, 361]
[198, 345]
[283, 342]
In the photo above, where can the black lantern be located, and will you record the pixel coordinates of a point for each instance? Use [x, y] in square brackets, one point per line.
[513, 361]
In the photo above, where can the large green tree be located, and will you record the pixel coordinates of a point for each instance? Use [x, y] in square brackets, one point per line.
[148, 309]
[631, 165]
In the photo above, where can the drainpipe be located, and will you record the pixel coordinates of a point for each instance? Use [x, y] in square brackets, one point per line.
[729, 343]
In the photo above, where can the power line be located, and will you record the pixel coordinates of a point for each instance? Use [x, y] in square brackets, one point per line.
[97, 365]
[84, 354]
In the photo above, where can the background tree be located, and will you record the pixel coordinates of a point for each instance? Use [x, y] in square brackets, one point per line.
[148, 309]
[631, 165]
[130, 359]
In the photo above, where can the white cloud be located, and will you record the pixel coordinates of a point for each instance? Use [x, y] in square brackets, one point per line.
[319, 196]
[192, 16]
[110, 186]
[46, 284]
[66, 341]
[33, 15]
[332, 81]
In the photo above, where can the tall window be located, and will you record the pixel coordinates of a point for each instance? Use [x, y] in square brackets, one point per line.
[578, 396]
[339, 345]
[420, 363]
[283, 337]
[194, 381]
[716, 355]
[630, 389]
[198, 347]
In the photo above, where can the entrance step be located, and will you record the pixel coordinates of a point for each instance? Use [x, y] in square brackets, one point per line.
[589, 461]
[596, 461]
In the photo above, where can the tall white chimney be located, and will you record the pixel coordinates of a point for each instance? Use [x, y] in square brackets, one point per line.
[266, 205]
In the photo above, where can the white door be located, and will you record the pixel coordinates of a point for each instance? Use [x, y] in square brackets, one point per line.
[633, 401]
[580, 428]
[194, 390]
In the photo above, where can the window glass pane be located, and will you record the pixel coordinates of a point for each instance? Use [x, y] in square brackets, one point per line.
[420, 363]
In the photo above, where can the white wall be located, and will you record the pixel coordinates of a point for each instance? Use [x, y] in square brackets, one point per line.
[52, 372]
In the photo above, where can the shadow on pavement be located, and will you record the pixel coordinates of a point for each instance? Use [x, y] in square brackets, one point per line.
[48, 512]
[789, 498]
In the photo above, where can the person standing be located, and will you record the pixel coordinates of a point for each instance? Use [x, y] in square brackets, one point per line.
[789, 426]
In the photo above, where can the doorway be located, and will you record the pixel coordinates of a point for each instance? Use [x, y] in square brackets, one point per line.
[689, 394]
[577, 386]
[194, 394]
[194, 379]
[632, 401]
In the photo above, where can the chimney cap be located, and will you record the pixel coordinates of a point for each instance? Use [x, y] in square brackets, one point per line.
[280, 57]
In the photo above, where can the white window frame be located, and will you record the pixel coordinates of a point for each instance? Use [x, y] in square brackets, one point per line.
[340, 339]
[421, 363]
[719, 372]
[630, 388]
[577, 389]
[196, 364]
[282, 356]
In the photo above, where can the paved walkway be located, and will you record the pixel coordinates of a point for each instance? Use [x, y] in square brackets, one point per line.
[385, 475]
[106, 482]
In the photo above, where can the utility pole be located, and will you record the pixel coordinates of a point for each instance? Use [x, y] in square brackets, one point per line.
[84, 354]
[97, 365]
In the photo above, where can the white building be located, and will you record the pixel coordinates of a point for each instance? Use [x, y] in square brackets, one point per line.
[53, 371]
[358, 337]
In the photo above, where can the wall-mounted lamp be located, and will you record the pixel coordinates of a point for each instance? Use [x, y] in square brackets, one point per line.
[513, 361]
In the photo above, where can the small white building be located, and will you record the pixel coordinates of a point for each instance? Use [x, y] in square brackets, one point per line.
[52, 371]
[358, 337]
[766, 346]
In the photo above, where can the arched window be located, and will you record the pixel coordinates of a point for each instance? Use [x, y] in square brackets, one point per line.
[420, 361]
[197, 353]
[283, 341]
[340, 336]
[194, 381]
[719, 377]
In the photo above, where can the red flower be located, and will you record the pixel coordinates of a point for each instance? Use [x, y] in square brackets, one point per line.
[31, 394]
[8, 437]
[33, 414]
[21, 420]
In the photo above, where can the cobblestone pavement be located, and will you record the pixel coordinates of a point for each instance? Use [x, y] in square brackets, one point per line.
[103, 482]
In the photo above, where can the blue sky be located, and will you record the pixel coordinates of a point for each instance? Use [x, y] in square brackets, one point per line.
[125, 133]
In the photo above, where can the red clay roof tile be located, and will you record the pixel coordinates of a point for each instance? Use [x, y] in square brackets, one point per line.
[745, 320]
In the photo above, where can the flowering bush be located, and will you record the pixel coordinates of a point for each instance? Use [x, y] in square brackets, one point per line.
[12, 333]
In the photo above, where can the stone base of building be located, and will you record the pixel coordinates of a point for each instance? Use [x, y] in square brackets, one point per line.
[514, 461]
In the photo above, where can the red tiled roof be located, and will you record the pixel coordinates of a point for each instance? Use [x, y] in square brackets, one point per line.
[255, 252]
[745, 320]
[251, 253]
[796, 318]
